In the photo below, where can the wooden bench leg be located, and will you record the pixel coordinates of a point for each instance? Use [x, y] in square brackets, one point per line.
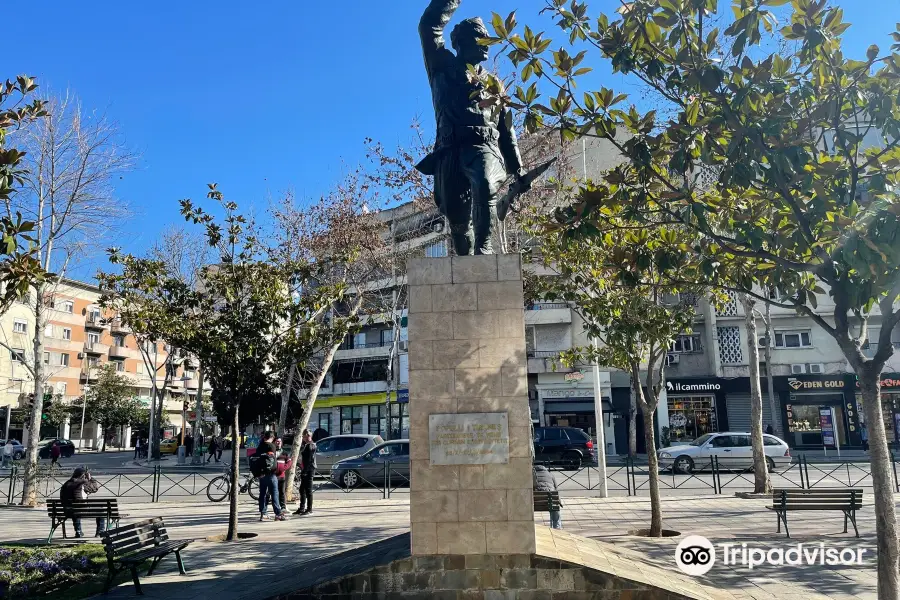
[787, 532]
[180, 562]
[137, 582]
[53, 527]
[852, 520]
[778, 518]
[845, 521]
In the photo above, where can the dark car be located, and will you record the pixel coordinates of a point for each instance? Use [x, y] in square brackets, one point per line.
[66, 448]
[371, 468]
[567, 447]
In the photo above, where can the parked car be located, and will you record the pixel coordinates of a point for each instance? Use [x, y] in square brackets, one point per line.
[568, 447]
[338, 447]
[66, 447]
[18, 448]
[370, 469]
[169, 446]
[732, 449]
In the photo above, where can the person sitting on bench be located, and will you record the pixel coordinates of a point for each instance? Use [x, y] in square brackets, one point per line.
[77, 488]
[544, 482]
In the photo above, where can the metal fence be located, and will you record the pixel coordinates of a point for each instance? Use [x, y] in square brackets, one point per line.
[626, 476]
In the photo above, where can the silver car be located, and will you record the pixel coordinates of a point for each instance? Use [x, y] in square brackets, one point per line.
[338, 447]
[731, 449]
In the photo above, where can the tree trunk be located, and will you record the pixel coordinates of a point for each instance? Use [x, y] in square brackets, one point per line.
[761, 484]
[103, 438]
[29, 489]
[770, 377]
[883, 501]
[286, 398]
[308, 405]
[632, 421]
[154, 411]
[198, 422]
[653, 468]
[235, 482]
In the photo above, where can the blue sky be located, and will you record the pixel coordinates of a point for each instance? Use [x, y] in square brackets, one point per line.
[264, 96]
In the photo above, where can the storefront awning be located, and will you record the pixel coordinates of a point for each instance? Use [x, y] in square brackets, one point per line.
[578, 405]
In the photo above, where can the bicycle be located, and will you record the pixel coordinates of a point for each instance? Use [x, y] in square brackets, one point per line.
[219, 487]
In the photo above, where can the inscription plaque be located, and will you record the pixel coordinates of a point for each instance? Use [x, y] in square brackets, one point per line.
[469, 438]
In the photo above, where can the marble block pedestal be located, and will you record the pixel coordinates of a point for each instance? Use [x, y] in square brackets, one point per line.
[467, 357]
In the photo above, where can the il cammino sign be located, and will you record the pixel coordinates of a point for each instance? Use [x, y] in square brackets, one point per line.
[692, 387]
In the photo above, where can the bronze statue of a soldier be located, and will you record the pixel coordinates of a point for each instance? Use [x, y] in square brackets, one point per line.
[475, 152]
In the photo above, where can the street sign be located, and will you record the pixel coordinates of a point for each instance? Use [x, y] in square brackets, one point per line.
[826, 421]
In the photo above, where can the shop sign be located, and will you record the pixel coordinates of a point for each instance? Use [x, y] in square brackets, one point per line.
[797, 384]
[573, 377]
[887, 382]
[826, 422]
[403, 396]
[692, 387]
[568, 393]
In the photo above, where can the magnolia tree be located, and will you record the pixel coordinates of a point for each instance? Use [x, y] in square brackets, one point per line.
[629, 309]
[110, 402]
[802, 144]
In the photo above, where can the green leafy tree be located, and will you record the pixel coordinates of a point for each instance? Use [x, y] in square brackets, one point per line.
[111, 404]
[631, 314]
[781, 157]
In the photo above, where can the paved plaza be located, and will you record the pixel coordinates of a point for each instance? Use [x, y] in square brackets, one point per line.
[264, 566]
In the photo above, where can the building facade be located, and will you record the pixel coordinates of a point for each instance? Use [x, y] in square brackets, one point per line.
[79, 339]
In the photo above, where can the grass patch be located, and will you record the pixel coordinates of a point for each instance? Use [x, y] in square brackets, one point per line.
[63, 573]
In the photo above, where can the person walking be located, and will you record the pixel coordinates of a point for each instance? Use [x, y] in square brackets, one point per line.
[213, 446]
[268, 481]
[770, 430]
[283, 464]
[864, 435]
[55, 451]
[307, 472]
[137, 447]
[8, 452]
[545, 482]
[78, 486]
[188, 445]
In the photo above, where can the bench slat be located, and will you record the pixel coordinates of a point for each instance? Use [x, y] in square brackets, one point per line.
[136, 542]
[154, 551]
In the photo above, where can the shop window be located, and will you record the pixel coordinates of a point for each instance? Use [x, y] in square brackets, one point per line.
[325, 422]
[377, 421]
[691, 417]
[799, 338]
[399, 420]
[351, 419]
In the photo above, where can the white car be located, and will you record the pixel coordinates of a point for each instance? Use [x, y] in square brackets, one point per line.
[732, 449]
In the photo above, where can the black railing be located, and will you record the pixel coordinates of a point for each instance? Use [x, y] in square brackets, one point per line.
[544, 353]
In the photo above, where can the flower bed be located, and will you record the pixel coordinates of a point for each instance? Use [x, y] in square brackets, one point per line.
[38, 572]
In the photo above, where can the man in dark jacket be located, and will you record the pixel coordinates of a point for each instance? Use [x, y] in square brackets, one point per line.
[268, 481]
[307, 472]
[545, 482]
[78, 486]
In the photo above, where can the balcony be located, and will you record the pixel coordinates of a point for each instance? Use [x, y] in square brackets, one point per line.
[116, 326]
[93, 321]
[548, 313]
[191, 383]
[360, 387]
[546, 361]
[96, 348]
[120, 352]
[90, 374]
[374, 350]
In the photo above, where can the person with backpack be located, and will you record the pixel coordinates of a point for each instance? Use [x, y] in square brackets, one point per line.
[545, 482]
[263, 464]
[307, 472]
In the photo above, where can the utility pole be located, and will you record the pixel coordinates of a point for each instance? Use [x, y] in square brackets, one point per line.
[601, 434]
[197, 458]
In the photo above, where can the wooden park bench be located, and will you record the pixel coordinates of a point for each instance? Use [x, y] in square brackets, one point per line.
[848, 501]
[131, 545]
[92, 508]
[546, 501]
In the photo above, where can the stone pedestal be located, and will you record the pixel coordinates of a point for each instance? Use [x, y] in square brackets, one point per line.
[467, 356]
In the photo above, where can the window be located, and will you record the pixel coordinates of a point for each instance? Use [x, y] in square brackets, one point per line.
[399, 420]
[351, 419]
[345, 443]
[63, 359]
[120, 365]
[325, 422]
[549, 434]
[393, 450]
[93, 361]
[740, 441]
[436, 250]
[67, 333]
[768, 440]
[93, 338]
[119, 341]
[325, 445]
[46, 358]
[65, 306]
[722, 441]
[356, 371]
[686, 344]
[377, 422]
[387, 336]
[17, 355]
[20, 326]
[94, 314]
[26, 299]
[359, 340]
[61, 388]
[140, 368]
[48, 330]
[793, 339]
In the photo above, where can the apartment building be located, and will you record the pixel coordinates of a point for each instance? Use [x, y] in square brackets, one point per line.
[358, 396]
[78, 339]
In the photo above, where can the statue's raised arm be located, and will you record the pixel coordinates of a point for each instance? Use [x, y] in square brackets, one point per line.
[431, 29]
